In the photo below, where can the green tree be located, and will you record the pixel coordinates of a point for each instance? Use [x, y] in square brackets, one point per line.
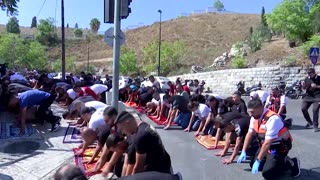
[76, 26]
[218, 6]
[292, 18]
[46, 33]
[78, 32]
[13, 26]
[128, 62]
[70, 65]
[263, 17]
[10, 6]
[95, 25]
[68, 25]
[34, 22]
[251, 30]
[36, 57]
[316, 22]
[171, 54]
[19, 52]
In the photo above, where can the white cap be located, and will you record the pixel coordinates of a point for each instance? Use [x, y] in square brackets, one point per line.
[253, 94]
[72, 94]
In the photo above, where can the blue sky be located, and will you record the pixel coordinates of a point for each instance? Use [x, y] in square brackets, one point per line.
[143, 11]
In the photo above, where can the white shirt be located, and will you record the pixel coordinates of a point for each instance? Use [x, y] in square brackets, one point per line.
[273, 126]
[96, 119]
[283, 100]
[99, 88]
[263, 95]
[95, 104]
[76, 79]
[17, 76]
[202, 111]
[72, 94]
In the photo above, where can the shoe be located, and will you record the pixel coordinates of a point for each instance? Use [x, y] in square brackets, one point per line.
[295, 171]
[308, 125]
[55, 127]
[316, 129]
[179, 176]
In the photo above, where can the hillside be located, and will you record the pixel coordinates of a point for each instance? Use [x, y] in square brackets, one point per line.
[206, 36]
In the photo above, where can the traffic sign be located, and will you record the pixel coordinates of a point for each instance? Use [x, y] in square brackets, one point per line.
[314, 55]
[108, 37]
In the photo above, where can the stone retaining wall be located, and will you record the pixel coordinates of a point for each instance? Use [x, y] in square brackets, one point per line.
[224, 82]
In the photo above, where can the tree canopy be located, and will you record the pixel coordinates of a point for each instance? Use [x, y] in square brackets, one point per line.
[95, 25]
[218, 6]
[10, 6]
[13, 26]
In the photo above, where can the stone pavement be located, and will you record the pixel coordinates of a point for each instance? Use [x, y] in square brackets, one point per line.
[40, 155]
[37, 156]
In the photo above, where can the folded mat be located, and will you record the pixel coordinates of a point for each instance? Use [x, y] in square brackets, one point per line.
[81, 161]
[208, 142]
[9, 130]
[72, 134]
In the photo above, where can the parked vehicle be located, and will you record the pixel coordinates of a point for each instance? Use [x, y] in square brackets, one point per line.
[162, 80]
[246, 91]
[295, 90]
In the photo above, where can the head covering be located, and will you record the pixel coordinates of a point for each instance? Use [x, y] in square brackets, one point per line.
[72, 94]
[253, 94]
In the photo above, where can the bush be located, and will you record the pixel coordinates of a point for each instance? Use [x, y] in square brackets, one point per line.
[255, 41]
[314, 41]
[265, 33]
[239, 62]
[290, 61]
[78, 33]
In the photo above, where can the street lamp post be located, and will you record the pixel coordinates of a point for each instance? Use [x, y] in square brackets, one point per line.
[159, 44]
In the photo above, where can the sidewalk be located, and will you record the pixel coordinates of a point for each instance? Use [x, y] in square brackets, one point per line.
[37, 156]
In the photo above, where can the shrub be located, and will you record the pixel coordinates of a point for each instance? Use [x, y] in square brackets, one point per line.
[290, 61]
[314, 41]
[255, 41]
[239, 62]
[78, 33]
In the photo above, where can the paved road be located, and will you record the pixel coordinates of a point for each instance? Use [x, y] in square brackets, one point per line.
[194, 162]
[39, 156]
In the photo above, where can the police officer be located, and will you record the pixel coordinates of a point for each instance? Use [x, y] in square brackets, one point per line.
[275, 143]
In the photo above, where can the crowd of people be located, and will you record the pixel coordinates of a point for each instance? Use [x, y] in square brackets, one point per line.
[130, 147]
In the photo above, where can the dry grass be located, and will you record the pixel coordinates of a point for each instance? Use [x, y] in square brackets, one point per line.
[206, 36]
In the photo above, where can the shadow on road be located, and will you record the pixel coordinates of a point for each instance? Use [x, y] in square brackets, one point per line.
[5, 177]
[306, 174]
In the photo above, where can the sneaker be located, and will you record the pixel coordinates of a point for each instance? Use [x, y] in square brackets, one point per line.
[179, 176]
[295, 171]
[55, 127]
[316, 129]
[308, 125]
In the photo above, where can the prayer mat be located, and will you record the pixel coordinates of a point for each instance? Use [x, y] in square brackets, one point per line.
[132, 104]
[72, 134]
[208, 142]
[81, 161]
[9, 130]
[162, 120]
[140, 109]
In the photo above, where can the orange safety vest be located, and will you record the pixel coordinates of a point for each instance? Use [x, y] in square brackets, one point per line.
[260, 129]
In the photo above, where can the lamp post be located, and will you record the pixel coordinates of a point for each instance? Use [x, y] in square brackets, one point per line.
[159, 44]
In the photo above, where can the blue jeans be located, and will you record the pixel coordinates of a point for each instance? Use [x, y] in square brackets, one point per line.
[183, 119]
[196, 124]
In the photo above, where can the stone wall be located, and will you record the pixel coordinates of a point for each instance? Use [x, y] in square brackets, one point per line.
[224, 82]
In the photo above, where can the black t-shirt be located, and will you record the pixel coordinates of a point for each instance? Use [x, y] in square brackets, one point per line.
[222, 109]
[103, 133]
[311, 91]
[240, 107]
[240, 121]
[148, 141]
[151, 176]
[144, 98]
[180, 103]
[131, 150]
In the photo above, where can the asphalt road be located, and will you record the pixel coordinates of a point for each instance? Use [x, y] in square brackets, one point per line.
[194, 162]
